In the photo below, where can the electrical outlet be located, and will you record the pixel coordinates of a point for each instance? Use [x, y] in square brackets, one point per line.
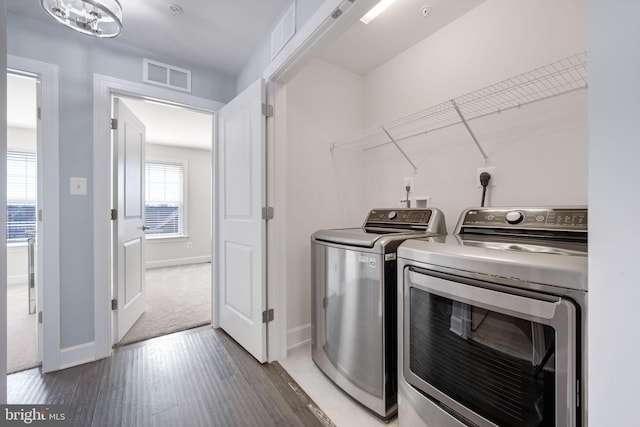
[189, 245]
[492, 171]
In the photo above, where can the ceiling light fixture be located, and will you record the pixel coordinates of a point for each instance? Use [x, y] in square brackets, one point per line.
[100, 18]
[376, 10]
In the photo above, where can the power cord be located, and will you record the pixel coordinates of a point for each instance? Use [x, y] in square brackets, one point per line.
[485, 177]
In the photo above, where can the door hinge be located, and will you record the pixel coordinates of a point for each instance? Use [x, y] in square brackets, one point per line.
[40, 215]
[267, 110]
[114, 214]
[39, 317]
[325, 302]
[114, 304]
[267, 213]
[39, 113]
[114, 124]
[267, 315]
[336, 13]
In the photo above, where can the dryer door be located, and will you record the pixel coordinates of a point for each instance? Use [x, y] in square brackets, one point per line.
[490, 354]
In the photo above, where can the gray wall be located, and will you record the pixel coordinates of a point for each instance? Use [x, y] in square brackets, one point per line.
[3, 209]
[79, 57]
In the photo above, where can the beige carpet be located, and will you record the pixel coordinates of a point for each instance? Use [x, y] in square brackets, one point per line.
[177, 298]
[21, 330]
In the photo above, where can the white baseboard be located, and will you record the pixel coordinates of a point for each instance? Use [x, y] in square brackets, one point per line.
[77, 355]
[18, 279]
[178, 261]
[298, 336]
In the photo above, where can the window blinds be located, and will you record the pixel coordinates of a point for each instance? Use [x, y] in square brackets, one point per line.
[21, 195]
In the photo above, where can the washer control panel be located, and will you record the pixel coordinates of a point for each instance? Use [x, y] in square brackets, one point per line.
[530, 218]
[399, 216]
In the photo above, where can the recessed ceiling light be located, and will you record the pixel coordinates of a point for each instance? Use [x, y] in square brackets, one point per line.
[376, 10]
[176, 9]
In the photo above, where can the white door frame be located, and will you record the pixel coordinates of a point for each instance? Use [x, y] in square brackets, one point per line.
[49, 256]
[104, 87]
[319, 31]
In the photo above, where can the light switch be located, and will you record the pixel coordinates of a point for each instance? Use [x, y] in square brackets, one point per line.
[78, 186]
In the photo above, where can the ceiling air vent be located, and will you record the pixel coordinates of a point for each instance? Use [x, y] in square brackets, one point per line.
[285, 29]
[165, 75]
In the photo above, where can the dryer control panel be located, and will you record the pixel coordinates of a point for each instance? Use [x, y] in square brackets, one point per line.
[569, 219]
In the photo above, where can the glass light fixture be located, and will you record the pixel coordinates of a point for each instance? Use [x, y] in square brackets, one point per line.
[100, 18]
[376, 10]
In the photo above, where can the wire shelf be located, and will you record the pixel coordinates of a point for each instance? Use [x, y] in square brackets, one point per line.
[555, 79]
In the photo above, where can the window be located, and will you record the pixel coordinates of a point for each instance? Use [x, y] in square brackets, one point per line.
[21, 195]
[164, 210]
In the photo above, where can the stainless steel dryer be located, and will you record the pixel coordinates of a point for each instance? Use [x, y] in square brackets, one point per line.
[492, 322]
[353, 281]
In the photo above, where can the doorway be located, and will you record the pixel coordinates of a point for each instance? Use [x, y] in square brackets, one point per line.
[176, 216]
[23, 350]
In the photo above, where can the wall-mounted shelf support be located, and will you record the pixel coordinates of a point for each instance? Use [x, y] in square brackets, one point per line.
[415, 168]
[549, 81]
[464, 122]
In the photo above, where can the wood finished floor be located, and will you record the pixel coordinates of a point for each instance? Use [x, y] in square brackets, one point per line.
[193, 378]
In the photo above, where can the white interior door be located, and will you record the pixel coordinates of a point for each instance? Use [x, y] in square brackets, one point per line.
[129, 264]
[241, 230]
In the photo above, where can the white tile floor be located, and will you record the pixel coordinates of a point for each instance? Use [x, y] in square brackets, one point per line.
[341, 409]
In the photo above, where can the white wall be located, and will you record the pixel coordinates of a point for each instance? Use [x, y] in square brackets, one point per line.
[175, 251]
[614, 179]
[540, 150]
[323, 102]
[21, 139]
[3, 207]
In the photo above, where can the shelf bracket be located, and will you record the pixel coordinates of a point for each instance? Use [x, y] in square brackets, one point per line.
[415, 169]
[464, 122]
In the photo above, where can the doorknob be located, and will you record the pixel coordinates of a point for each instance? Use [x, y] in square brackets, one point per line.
[144, 228]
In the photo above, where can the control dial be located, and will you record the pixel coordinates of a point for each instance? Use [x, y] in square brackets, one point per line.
[514, 217]
[392, 215]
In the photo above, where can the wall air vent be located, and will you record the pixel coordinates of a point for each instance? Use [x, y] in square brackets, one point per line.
[160, 74]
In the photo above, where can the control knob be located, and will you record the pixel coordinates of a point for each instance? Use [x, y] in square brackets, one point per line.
[514, 217]
[392, 215]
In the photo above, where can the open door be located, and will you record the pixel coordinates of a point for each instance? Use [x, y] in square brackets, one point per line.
[128, 231]
[241, 230]
[38, 257]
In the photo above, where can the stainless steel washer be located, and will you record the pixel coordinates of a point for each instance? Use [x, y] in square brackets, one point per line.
[354, 302]
[492, 322]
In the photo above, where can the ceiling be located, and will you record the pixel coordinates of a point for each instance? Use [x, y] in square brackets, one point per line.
[229, 31]
[221, 34]
[173, 125]
[363, 48]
